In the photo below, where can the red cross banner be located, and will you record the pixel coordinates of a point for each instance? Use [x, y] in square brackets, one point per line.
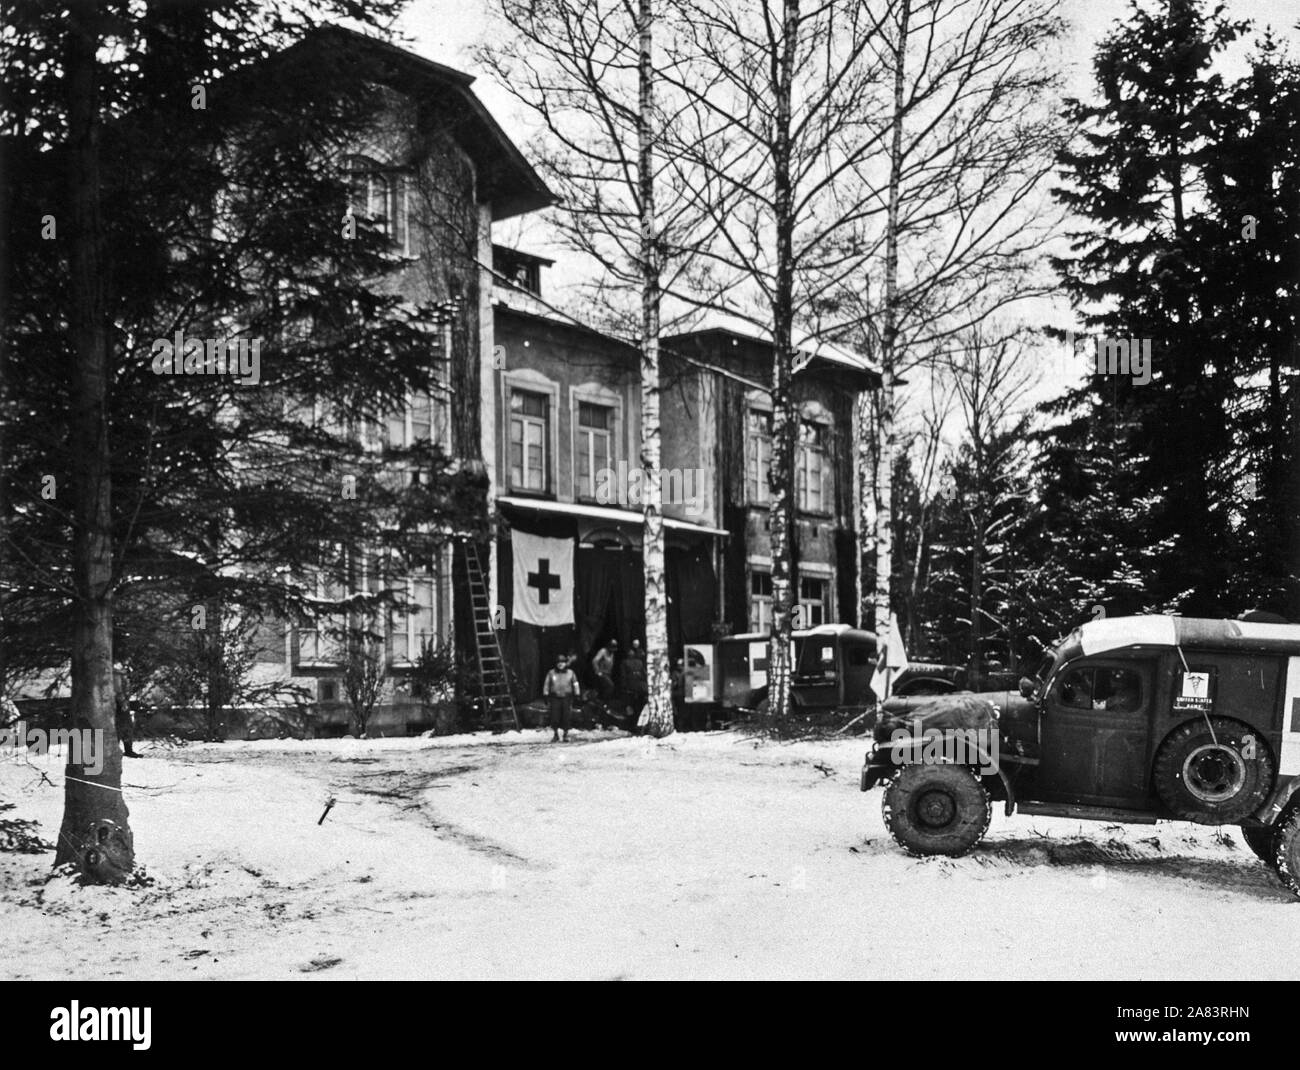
[543, 579]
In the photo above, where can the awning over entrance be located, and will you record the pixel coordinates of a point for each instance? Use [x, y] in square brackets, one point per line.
[602, 512]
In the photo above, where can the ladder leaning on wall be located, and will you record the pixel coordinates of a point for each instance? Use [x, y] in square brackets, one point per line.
[499, 711]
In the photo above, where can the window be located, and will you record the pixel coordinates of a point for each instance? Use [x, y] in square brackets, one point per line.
[417, 422]
[815, 597]
[594, 446]
[379, 196]
[1114, 689]
[321, 640]
[760, 601]
[414, 629]
[529, 433]
[812, 467]
[758, 456]
[816, 661]
[318, 641]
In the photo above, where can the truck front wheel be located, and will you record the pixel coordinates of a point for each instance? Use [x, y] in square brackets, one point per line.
[936, 809]
[1286, 846]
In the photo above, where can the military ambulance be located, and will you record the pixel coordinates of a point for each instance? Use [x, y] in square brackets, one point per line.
[1129, 719]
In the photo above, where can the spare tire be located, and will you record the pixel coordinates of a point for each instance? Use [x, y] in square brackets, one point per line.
[1213, 777]
[936, 809]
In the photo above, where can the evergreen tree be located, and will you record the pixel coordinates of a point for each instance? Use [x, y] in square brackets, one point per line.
[222, 140]
[1250, 278]
[1160, 453]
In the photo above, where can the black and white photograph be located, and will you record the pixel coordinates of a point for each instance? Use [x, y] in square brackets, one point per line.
[651, 490]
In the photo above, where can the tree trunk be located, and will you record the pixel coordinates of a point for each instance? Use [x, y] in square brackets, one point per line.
[215, 665]
[785, 422]
[659, 682]
[888, 356]
[976, 596]
[6, 203]
[95, 836]
[865, 475]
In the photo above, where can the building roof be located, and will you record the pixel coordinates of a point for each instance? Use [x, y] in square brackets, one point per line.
[517, 302]
[729, 331]
[511, 253]
[506, 179]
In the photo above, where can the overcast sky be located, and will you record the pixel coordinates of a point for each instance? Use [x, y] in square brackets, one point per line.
[449, 30]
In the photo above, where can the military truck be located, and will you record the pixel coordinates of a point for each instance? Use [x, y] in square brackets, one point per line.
[1129, 719]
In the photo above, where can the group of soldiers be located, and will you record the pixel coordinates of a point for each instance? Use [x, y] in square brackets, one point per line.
[612, 675]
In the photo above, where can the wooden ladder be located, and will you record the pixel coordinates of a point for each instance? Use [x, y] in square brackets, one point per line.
[499, 710]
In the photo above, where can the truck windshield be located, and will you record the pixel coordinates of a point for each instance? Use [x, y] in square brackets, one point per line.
[1044, 671]
[816, 660]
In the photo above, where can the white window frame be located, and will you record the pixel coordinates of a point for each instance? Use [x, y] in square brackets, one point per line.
[814, 416]
[325, 650]
[758, 490]
[605, 398]
[531, 382]
[406, 624]
[817, 573]
[534, 432]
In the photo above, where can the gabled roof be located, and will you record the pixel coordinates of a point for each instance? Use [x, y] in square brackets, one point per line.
[506, 179]
[728, 331]
[507, 252]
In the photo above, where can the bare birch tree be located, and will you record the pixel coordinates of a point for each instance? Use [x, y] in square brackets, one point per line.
[783, 111]
[587, 69]
[972, 135]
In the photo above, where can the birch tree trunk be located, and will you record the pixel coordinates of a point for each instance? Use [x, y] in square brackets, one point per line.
[784, 420]
[888, 355]
[95, 835]
[864, 472]
[659, 702]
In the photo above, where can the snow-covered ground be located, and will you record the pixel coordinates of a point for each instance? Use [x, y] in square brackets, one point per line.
[703, 855]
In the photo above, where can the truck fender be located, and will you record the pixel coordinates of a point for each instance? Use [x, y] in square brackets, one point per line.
[1286, 796]
[909, 752]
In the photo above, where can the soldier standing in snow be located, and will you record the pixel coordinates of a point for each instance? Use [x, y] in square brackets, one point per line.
[634, 679]
[559, 690]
